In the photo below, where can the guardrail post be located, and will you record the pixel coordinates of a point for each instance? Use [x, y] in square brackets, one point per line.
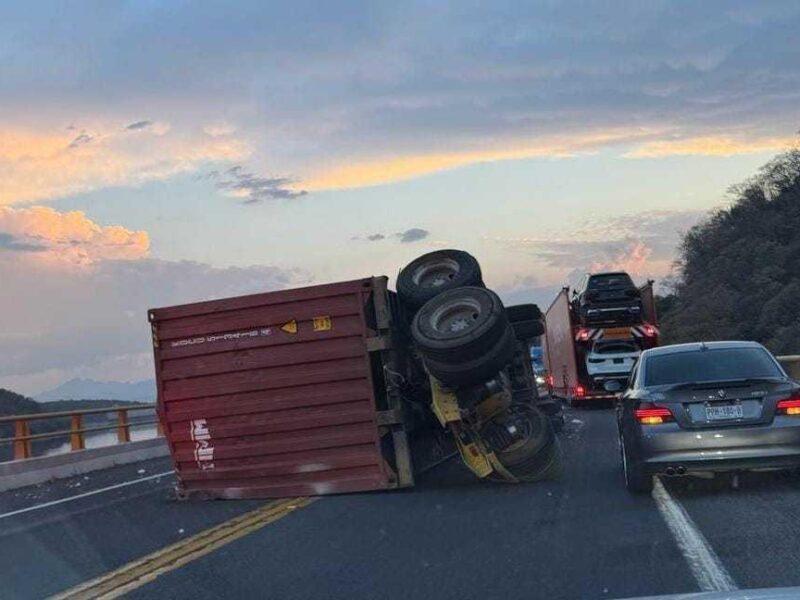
[22, 447]
[123, 428]
[76, 439]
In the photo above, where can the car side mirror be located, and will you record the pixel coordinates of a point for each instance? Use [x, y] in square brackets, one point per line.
[612, 386]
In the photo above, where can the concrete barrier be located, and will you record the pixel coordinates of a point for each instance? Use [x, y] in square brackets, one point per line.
[32, 471]
[791, 364]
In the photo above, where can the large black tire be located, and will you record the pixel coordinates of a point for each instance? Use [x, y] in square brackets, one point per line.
[637, 479]
[535, 454]
[523, 312]
[459, 325]
[527, 330]
[464, 373]
[433, 273]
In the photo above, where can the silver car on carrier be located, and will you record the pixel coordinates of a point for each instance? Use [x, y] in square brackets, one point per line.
[715, 406]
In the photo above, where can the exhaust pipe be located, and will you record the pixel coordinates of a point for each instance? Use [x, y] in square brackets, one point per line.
[670, 471]
[681, 470]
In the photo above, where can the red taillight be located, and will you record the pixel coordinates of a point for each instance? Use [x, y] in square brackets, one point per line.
[583, 335]
[649, 330]
[653, 416]
[550, 380]
[580, 391]
[790, 406]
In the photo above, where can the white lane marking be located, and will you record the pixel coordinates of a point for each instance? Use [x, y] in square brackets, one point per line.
[86, 494]
[704, 563]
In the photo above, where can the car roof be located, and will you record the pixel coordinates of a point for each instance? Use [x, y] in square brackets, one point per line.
[695, 346]
[608, 273]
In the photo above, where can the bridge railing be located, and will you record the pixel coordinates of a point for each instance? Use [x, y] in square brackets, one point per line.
[23, 438]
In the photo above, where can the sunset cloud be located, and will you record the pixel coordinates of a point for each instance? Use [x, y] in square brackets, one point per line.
[710, 146]
[79, 293]
[367, 171]
[37, 165]
[68, 239]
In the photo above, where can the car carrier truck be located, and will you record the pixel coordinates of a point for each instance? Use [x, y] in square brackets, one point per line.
[580, 359]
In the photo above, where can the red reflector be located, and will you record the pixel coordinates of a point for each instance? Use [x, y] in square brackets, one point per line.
[580, 391]
[550, 380]
[790, 406]
[649, 330]
[583, 334]
[653, 416]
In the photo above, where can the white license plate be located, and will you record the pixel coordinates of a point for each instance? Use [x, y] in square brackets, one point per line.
[720, 413]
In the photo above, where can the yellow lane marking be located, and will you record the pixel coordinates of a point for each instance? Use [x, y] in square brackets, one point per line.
[144, 570]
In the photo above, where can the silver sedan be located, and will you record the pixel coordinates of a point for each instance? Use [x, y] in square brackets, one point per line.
[715, 406]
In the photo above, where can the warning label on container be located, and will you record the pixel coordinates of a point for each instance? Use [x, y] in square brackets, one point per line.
[203, 448]
[221, 337]
[290, 327]
[322, 323]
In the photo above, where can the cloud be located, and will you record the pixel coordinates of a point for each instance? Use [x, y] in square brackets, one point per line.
[710, 146]
[219, 129]
[80, 296]
[375, 171]
[643, 244]
[414, 234]
[252, 188]
[36, 165]
[408, 236]
[345, 101]
[14, 244]
[139, 125]
[80, 140]
[69, 239]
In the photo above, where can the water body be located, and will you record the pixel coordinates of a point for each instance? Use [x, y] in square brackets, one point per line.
[104, 438]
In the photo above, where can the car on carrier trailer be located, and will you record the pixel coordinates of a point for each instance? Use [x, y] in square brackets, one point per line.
[569, 346]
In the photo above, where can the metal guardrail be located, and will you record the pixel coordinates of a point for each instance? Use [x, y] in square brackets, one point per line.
[23, 438]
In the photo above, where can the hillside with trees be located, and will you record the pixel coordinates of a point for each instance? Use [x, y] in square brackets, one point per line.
[738, 273]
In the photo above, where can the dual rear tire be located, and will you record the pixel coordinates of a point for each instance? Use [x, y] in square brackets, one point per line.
[426, 277]
[464, 336]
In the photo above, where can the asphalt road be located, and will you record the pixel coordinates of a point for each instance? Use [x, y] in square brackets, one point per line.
[452, 536]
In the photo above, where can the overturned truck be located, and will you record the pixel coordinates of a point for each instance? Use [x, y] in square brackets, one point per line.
[352, 387]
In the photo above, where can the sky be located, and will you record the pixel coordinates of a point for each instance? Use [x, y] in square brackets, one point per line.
[155, 153]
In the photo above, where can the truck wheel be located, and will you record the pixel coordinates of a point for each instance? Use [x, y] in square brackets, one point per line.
[430, 274]
[459, 325]
[637, 479]
[526, 330]
[523, 312]
[535, 454]
[460, 373]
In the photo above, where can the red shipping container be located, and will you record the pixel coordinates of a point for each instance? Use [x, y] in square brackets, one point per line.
[281, 393]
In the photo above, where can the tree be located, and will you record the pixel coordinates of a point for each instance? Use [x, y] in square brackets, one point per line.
[738, 275]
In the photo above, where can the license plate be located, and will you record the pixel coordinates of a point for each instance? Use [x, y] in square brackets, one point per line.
[617, 332]
[720, 413]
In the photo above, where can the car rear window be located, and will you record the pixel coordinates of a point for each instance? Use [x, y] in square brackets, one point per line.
[709, 365]
[602, 282]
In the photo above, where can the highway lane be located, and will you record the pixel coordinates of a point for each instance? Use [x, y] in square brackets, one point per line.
[754, 529]
[60, 546]
[455, 537]
[450, 537]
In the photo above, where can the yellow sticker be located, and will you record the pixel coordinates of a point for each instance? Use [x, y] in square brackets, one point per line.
[322, 323]
[290, 327]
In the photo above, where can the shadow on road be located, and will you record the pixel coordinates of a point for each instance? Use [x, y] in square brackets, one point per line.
[742, 483]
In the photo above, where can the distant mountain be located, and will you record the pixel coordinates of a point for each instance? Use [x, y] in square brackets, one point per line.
[89, 389]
